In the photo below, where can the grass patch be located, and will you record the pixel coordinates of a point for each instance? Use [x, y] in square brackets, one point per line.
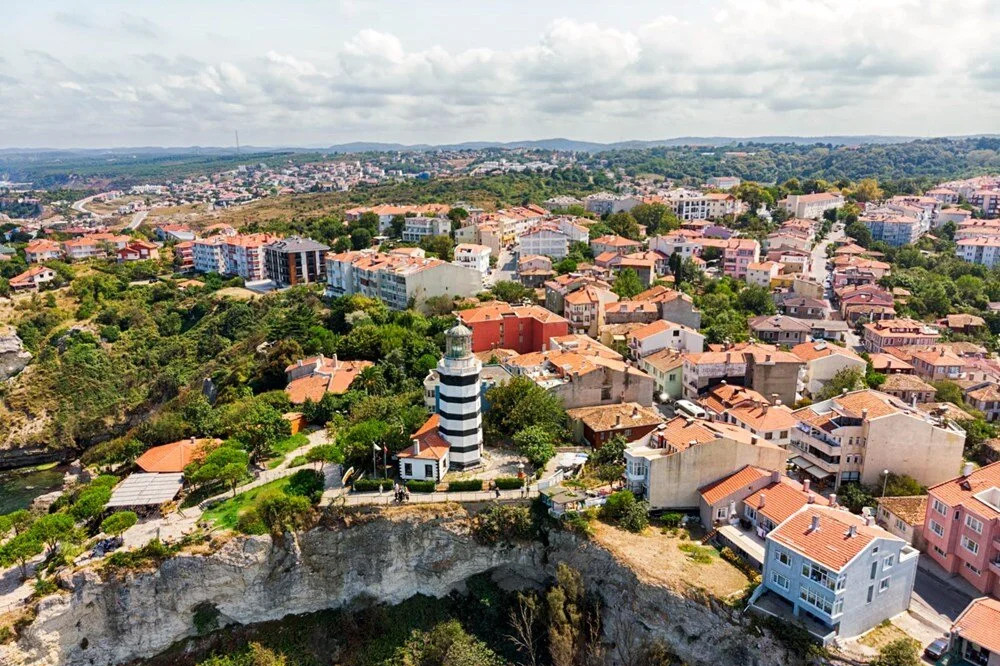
[700, 554]
[289, 444]
[226, 514]
[274, 462]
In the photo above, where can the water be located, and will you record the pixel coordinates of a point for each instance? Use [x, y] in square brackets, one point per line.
[18, 487]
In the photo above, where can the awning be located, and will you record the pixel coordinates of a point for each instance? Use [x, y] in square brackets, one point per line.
[142, 489]
[817, 472]
[799, 461]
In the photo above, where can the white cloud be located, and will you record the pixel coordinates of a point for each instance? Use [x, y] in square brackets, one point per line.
[745, 67]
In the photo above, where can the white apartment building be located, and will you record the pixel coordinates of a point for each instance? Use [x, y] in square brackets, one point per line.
[469, 255]
[418, 227]
[812, 206]
[983, 250]
[606, 203]
[210, 255]
[398, 278]
[245, 256]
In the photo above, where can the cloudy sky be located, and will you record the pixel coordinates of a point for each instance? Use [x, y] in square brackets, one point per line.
[314, 73]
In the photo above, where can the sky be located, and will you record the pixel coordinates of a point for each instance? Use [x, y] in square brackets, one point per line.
[316, 73]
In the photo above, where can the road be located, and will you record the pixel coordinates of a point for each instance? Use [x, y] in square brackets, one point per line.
[80, 205]
[137, 219]
[819, 272]
[505, 269]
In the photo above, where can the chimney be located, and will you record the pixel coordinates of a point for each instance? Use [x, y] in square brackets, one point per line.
[833, 500]
[193, 440]
[767, 358]
[618, 419]
[811, 498]
[763, 500]
[688, 420]
[775, 476]
[635, 412]
[814, 527]
[843, 391]
[864, 413]
[723, 382]
[852, 531]
[416, 446]
[967, 469]
[868, 521]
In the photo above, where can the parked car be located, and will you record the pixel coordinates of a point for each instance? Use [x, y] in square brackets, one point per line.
[936, 650]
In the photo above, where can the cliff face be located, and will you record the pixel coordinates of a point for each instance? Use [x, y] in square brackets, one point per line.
[113, 620]
[13, 356]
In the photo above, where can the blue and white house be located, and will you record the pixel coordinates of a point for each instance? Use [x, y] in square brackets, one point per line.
[836, 573]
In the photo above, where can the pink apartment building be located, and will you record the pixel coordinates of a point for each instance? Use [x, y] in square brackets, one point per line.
[962, 526]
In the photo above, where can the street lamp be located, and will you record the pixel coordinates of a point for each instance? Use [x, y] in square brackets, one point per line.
[885, 473]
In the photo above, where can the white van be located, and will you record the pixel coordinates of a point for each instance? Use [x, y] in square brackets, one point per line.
[688, 408]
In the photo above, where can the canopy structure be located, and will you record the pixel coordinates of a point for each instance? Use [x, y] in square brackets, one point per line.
[141, 489]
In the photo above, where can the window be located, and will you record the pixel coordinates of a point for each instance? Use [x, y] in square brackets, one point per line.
[783, 434]
[975, 570]
[874, 570]
[970, 545]
[429, 471]
[887, 563]
[779, 580]
[883, 585]
[750, 513]
[782, 557]
[937, 528]
[722, 514]
[875, 550]
[407, 469]
[871, 593]
[822, 576]
[900, 525]
[816, 600]
[940, 507]
[973, 524]
[940, 552]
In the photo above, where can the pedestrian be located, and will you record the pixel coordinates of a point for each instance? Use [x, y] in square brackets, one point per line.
[497, 490]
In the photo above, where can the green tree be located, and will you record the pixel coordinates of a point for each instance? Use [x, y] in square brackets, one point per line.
[18, 521]
[398, 224]
[860, 233]
[90, 503]
[361, 239]
[656, 217]
[324, 454]
[612, 452]
[855, 497]
[623, 224]
[867, 189]
[260, 427]
[442, 247]
[281, 512]
[518, 404]
[849, 379]
[20, 550]
[226, 464]
[627, 284]
[510, 291]
[52, 528]
[306, 483]
[566, 615]
[756, 300]
[535, 443]
[118, 522]
[948, 391]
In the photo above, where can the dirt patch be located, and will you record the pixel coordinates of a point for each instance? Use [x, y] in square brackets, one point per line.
[882, 635]
[657, 559]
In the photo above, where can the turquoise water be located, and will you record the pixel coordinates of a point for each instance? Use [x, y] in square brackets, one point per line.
[18, 487]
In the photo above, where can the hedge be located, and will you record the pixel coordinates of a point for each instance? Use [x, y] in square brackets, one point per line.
[362, 485]
[509, 483]
[460, 486]
[421, 486]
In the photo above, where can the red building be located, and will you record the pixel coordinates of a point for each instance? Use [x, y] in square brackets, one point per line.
[962, 527]
[523, 328]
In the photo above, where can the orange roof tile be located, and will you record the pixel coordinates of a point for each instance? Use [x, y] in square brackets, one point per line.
[174, 457]
[962, 490]
[830, 545]
[782, 499]
[727, 485]
[980, 623]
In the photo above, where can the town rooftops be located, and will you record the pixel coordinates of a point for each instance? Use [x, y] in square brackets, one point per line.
[809, 351]
[911, 509]
[979, 491]
[328, 375]
[620, 416]
[665, 360]
[497, 310]
[724, 396]
[658, 326]
[900, 382]
[727, 485]
[780, 499]
[882, 362]
[615, 241]
[779, 323]
[819, 197]
[825, 535]
[979, 623]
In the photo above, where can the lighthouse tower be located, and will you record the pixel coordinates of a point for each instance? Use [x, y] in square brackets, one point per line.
[461, 420]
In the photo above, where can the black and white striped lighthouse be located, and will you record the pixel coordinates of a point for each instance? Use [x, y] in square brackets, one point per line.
[461, 423]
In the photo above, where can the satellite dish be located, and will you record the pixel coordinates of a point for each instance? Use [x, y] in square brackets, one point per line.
[347, 476]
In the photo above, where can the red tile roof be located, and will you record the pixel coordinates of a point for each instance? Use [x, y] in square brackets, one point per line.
[831, 545]
[174, 457]
[717, 490]
[980, 623]
[963, 489]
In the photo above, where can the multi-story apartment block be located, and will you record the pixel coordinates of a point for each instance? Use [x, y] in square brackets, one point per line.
[244, 255]
[892, 228]
[983, 250]
[386, 213]
[737, 255]
[522, 328]
[547, 240]
[558, 288]
[415, 228]
[838, 573]
[295, 260]
[210, 255]
[812, 206]
[93, 246]
[473, 256]
[399, 278]
[685, 454]
[605, 203]
[666, 368]
[748, 409]
[962, 526]
[723, 182]
[823, 361]
[615, 245]
[854, 437]
[762, 272]
[761, 367]
[584, 308]
[898, 333]
[987, 201]
[675, 306]
[956, 215]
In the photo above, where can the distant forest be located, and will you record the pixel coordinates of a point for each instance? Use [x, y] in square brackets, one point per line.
[929, 160]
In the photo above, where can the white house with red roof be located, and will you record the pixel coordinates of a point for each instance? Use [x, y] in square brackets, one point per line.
[32, 278]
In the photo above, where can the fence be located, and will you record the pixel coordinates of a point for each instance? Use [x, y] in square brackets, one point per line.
[387, 498]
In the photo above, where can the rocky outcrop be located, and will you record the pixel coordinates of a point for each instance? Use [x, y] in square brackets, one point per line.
[13, 356]
[110, 620]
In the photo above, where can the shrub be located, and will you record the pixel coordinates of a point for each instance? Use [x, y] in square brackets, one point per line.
[730, 556]
[699, 554]
[153, 553]
[900, 652]
[421, 486]
[635, 518]
[307, 483]
[617, 504]
[118, 522]
[671, 519]
[282, 513]
[508, 482]
[468, 485]
[44, 586]
[249, 522]
[365, 485]
[504, 523]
